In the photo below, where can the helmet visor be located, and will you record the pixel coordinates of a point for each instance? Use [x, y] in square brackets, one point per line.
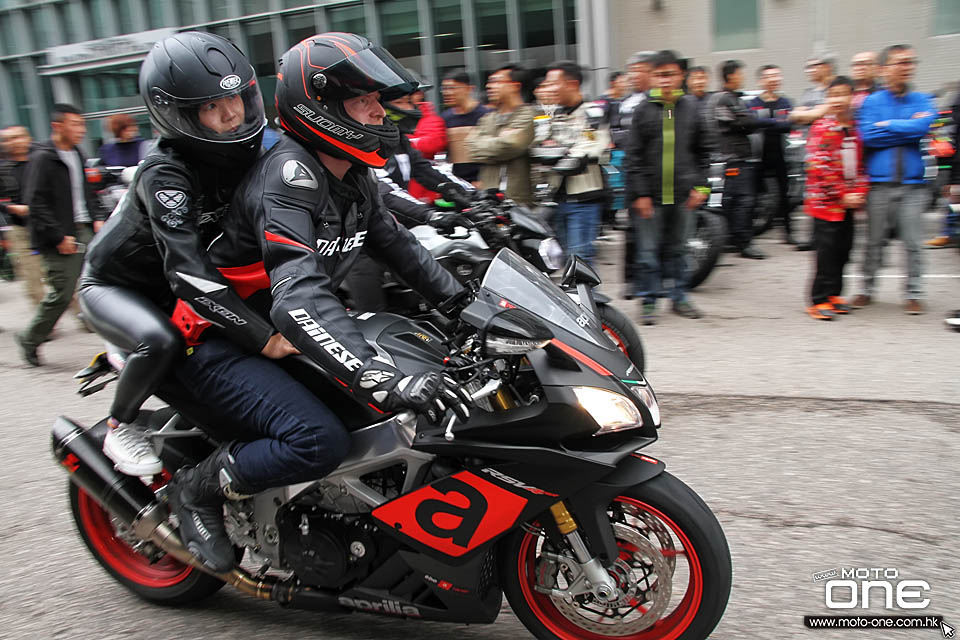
[231, 116]
[364, 72]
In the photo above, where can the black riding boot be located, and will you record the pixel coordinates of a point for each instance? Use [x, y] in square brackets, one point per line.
[197, 495]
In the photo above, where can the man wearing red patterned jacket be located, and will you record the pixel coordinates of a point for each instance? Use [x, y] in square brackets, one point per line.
[836, 186]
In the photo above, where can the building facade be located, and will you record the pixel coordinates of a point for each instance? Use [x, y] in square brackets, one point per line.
[88, 52]
[786, 33]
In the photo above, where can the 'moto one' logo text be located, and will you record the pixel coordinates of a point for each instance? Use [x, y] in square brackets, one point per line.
[862, 587]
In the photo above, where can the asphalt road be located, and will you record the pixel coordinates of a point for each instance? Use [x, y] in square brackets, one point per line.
[818, 445]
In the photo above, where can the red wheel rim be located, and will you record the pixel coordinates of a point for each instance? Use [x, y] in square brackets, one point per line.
[616, 338]
[119, 555]
[669, 627]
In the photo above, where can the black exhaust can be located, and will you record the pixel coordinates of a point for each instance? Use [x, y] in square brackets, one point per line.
[80, 452]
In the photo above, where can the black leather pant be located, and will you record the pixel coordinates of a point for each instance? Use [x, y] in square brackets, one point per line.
[131, 321]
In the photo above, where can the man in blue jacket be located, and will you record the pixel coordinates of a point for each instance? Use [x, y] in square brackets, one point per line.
[892, 123]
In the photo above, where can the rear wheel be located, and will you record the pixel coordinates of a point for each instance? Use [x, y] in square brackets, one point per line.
[673, 572]
[137, 565]
[623, 333]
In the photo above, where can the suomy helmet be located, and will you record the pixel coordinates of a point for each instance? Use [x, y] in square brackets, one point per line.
[191, 71]
[322, 71]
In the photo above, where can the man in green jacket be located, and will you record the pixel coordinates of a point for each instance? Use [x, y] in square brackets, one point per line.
[666, 165]
[500, 140]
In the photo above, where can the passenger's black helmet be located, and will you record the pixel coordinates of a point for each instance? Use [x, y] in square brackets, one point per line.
[193, 70]
[322, 71]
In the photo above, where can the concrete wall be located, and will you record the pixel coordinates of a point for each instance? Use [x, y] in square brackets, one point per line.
[790, 31]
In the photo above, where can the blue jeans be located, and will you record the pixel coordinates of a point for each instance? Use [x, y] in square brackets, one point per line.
[288, 435]
[577, 225]
[662, 252]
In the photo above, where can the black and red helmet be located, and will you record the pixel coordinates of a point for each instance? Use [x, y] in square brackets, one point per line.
[322, 71]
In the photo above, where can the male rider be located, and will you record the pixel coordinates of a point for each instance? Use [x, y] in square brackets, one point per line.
[297, 224]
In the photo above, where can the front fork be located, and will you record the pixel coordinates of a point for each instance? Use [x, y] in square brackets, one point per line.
[599, 581]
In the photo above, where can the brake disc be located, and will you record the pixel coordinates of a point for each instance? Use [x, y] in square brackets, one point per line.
[645, 582]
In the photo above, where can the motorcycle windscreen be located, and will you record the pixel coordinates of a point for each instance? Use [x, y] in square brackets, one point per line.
[520, 283]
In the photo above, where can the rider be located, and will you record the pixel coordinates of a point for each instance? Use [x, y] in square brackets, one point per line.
[202, 96]
[296, 225]
[365, 280]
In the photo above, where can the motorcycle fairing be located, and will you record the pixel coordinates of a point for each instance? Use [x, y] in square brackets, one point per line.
[453, 516]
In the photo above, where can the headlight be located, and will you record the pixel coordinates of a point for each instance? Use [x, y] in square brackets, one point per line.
[611, 411]
[551, 253]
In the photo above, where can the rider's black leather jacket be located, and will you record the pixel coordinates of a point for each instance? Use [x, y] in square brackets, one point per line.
[156, 244]
[292, 234]
[394, 178]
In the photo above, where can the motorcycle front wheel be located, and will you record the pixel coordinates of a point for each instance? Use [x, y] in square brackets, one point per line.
[673, 572]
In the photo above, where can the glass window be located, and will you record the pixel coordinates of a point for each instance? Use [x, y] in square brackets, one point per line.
[347, 19]
[220, 10]
[536, 19]
[492, 24]
[222, 30]
[187, 12]
[300, 26]
[67, 22]
[125, 16]
[448, 27]
[110, 88]
[260, 47]
[261, 56]
[250, 7]
[100, 18]
[448, 40]
[292, 4]
[41, 28]
[570, 12]
[735, 25]
[401, 30]
[19, 91]
[156, 16]
[7, 43]
[946, 17]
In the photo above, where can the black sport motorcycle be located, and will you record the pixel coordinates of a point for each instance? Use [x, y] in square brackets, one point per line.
[497, 224]
[543, 495]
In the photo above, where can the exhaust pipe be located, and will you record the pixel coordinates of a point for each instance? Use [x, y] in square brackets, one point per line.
[80, 452]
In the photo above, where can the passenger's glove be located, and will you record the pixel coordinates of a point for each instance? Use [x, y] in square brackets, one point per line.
[429, 394]
[447, 222]
[571, 165]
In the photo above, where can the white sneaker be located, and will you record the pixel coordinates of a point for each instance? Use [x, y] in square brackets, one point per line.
[131, 452]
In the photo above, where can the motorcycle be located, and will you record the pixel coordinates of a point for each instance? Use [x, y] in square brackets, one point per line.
[109, 182]
[497, 224]
[543, 495]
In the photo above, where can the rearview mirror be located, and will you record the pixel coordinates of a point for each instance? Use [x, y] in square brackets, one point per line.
[577, 271]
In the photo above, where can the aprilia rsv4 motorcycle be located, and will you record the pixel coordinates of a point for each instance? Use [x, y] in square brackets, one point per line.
[542, 495]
